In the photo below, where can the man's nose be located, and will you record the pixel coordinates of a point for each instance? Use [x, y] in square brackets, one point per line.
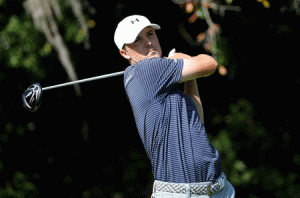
[148, 42]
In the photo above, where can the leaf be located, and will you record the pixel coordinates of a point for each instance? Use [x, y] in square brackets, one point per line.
[47, 47]
[221, 59]
[234, 178]
[240, 165]
[71, 30]
[80, 36]
[247, 176]
[68, 180]
[30, 61]
[229, 1]
[1, 2]
[201, 37]
[266, 4]
[14, 61]
[10, 191]
[5, 40]
[222, 142]
[29, 186]
[189, 7]
[207, 47]
[222, 70]
[91, 23]
[200, 13]
[50, 160]
[19, 176]
[15, 56]
[13, 24]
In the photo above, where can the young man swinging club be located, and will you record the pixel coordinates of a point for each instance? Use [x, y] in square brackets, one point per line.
[170, 121]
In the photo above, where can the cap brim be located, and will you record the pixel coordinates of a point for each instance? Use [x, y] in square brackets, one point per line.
[155, 26]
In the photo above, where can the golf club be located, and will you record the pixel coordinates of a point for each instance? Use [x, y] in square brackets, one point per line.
[33, 95]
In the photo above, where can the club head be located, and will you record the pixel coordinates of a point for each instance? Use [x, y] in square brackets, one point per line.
[32, 97]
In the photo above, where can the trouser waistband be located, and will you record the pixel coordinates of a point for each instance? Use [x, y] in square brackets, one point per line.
[202, 188]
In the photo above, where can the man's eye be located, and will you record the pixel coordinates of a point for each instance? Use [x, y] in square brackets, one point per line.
[137, 39]
[150, 33]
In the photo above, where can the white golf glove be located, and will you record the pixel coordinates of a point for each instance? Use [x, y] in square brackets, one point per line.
[172, 52]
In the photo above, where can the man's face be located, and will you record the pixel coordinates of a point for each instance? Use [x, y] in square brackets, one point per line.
[146, 45]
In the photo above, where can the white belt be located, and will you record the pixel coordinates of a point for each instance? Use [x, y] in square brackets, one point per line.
[203, 188]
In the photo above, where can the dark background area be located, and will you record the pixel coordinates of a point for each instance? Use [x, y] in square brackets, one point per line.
[88, 146]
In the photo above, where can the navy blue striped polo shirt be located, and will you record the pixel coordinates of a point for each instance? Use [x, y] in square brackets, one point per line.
[168, 123]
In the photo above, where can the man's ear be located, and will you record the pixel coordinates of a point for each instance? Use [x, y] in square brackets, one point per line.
[125, 54]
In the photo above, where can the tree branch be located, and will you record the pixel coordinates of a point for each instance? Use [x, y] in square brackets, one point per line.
[77, 10]
[186, 35]
[202, 11]
[222, 8]
[42, 15]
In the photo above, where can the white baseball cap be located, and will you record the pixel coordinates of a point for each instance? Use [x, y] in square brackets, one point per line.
[129, 28]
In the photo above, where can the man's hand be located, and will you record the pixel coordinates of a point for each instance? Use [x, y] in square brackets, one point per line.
[171, 53]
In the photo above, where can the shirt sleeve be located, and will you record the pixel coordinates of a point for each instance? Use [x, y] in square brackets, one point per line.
[158, 76]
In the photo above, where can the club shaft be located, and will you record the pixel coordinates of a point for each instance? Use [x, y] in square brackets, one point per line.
[84, 80]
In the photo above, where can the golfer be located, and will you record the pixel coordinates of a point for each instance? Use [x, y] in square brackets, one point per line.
[170, 121]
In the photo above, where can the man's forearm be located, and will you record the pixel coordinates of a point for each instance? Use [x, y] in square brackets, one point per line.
[191, 89]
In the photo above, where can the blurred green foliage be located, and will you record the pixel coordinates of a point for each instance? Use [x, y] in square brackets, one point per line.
[239, 124]
[239, 119]
[19, 187]
[21, 45]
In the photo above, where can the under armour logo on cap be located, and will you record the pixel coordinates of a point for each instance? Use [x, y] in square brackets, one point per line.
[135, 20]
